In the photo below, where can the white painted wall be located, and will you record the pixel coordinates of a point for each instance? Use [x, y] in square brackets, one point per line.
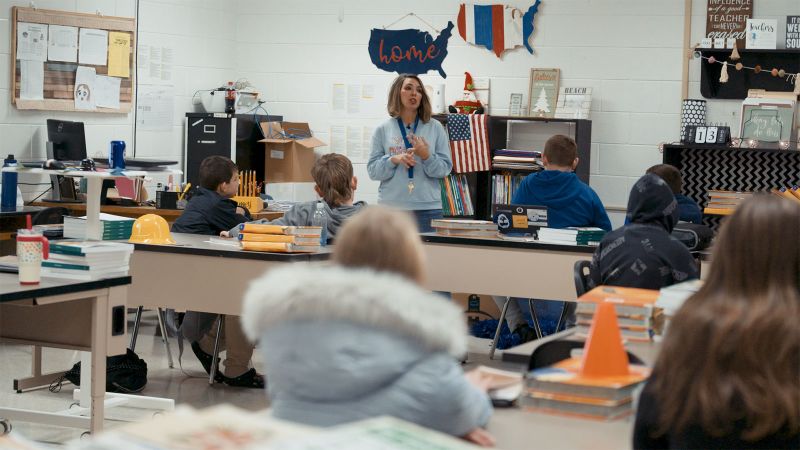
[629, 51]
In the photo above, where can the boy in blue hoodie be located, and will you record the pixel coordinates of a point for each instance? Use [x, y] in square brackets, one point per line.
[570, 203]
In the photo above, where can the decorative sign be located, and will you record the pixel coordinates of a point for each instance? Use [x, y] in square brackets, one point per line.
[409, 51]
[496, 27]
[726, 19]
[543, 92]
[761, 33]
[515, 105]
[768, 121]
[792, 32]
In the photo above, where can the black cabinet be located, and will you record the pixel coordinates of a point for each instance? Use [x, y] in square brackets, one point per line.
[739, 81]
[233, 135]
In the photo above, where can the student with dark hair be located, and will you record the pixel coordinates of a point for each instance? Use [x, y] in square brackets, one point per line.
[643, 254]
[211, 209]
[570, 203]
[728, 374]
[688, 211]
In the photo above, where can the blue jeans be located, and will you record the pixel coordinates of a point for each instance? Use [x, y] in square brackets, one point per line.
[424, 217]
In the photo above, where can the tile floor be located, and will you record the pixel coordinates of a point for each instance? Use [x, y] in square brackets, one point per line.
[188, 386]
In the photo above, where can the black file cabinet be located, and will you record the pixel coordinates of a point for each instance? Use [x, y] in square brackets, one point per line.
[235, 136]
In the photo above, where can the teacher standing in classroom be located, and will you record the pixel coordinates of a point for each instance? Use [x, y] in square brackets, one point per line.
[410, 153]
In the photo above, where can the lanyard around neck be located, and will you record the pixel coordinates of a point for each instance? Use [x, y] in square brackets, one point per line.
[405, 139]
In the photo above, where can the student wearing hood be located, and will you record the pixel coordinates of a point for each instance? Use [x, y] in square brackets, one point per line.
[643, 254]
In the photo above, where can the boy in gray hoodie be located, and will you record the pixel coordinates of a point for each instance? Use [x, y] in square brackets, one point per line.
[335, 183]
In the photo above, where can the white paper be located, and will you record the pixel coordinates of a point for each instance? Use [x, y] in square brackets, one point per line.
[354, 150]
[31, 41]
[107, 92]
[167, 56]
[85, 88]
[339, 97]
[338, 139]
[366, 140]
[154, 109]
[93, 47]
[353, 98]
[155, 64]
[31, 80]
[62, 43]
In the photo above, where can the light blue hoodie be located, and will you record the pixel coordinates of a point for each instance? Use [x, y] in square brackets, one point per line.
[387, 142]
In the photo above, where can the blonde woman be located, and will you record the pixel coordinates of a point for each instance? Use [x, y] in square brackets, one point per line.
[410, 153]
[361, 338]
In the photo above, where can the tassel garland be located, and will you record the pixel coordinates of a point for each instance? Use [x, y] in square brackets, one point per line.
[735, 54]
[723, 77]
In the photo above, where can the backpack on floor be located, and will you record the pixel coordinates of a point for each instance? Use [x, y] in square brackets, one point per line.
[124, 373]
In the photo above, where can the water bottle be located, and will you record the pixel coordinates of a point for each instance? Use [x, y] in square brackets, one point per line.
[320, 219]
[230, 98]
[9, 180]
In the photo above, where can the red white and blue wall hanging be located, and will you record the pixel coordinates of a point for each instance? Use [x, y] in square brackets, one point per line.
[496, 27]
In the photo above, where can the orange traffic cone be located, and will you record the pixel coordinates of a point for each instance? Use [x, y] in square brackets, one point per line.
[603, 354]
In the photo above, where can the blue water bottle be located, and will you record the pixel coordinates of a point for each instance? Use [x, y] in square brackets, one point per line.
[116, 155]
[9, 180]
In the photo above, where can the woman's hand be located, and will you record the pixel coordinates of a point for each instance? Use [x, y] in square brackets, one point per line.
[404, 159]
[480, 437]
[420, 147]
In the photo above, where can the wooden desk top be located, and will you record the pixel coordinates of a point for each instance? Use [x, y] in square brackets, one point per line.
[135, 211]
[434, 238]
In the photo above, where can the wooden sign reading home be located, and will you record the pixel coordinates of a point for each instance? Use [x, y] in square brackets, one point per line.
[726, 19]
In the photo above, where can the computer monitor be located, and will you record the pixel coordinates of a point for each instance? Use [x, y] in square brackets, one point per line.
[68, 140]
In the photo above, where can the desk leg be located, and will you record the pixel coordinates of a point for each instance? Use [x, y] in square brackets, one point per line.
[100, 327]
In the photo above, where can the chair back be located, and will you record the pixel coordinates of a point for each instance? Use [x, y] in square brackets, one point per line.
[51, 215]
[552, 352]
[581, 275]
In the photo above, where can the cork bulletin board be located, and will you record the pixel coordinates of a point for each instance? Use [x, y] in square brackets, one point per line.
[51, 50]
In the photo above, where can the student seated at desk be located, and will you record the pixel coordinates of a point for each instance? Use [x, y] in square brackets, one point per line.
[336, 184]
[570, 203]
[728, 374]
[362, 339]
[211, 211]
[688, 211]
[643, 254]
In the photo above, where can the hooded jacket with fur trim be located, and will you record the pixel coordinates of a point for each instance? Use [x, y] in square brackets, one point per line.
[342, 345]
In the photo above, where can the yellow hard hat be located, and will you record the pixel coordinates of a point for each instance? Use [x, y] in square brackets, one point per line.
[151, 229]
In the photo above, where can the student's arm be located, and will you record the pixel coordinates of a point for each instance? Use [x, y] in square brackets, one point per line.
[295, 216]
[379, 167]
[439, 164]
[601, 219]
[223, 215]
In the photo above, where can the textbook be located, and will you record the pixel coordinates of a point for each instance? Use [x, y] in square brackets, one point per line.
[86, 248]
[464, 224]
[504, 386]
[279, 247]
[466, 233]
[564, 378]
[620, 296]
[577, 406]
[280, 229]
[289, 238]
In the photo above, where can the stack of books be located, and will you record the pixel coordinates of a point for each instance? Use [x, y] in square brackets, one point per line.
[724, 202]
[572, 235]
[671, 299]
[87, 260]
[504, 187]
[792, 193]
[505, 158]
[279, 238]
[456, 199]
[464, 227]
[639, 319]
[561, 389]
[114, 227]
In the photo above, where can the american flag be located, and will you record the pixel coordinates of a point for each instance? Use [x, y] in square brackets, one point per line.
[469, 142]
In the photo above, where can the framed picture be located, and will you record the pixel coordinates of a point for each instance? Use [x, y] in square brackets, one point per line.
[768, 121]
[543, 92]
[515, 105]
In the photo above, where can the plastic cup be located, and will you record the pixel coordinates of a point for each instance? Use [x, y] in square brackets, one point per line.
[32, 247]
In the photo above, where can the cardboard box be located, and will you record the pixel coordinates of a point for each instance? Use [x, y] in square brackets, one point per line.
[289, 148]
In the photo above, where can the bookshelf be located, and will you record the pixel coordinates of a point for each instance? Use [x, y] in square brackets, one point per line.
[524, 133]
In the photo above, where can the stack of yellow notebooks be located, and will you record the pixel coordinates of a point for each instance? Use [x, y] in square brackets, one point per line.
[279, 238]
[638, 317]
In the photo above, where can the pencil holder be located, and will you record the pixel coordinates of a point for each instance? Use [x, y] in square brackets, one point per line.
[253, 204]
[167, 199]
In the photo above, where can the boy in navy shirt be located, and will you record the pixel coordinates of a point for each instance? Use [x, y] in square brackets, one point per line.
[570, 203]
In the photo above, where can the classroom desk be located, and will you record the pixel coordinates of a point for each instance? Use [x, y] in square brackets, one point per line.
[493, 266]
[200, 276]
[135, 211]
[35, 315]
[12, 220]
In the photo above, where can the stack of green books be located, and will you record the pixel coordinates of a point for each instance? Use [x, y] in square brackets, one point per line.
[87, 260]
[572, 235]
[114, 227]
